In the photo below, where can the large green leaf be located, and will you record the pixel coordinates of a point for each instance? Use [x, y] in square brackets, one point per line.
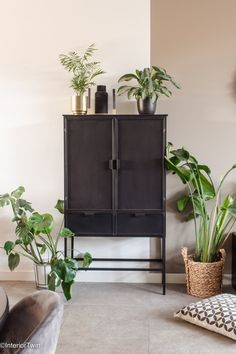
[72, 263]
[70, 274]
[128, 77]
[65, 232]
[198, 205]
[26, 206]
[64, 269]
[67, 289]
[13, 260]
[182, 172]
[23, 231]
[182, 154]
[18, 192]
[41, 223]
[58, 266]
[204, 168]
[206, 185]
[123, 89]
[182, 203]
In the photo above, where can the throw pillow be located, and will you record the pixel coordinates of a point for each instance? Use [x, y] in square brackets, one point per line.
[217, 314]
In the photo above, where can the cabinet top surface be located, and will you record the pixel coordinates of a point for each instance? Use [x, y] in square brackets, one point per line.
[111, 116]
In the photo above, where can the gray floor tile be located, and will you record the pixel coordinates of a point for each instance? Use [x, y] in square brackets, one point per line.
[113, 318]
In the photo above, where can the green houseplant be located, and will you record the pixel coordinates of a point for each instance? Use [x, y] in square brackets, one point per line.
[150, 84]
[34, 240]
[84, 71]
[213, 214]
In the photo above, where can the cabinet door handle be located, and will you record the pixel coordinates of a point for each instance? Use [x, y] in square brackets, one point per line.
[117, 164]
[139, 214]
[88, 213]
[114, 164]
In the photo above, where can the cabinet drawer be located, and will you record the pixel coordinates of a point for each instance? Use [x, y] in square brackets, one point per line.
[137, 223]
[90, 223]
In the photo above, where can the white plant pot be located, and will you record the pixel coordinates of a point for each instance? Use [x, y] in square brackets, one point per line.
[41, 272]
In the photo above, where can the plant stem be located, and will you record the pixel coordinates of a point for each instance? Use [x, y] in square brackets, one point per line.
[52, 244]
[28, 256]
[46, 243]
[58, 236]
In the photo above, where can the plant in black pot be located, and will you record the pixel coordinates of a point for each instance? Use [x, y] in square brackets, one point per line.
[151, 83]
[34, 241]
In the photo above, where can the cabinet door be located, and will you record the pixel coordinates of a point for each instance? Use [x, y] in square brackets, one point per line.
[140, 151]
[88, 149]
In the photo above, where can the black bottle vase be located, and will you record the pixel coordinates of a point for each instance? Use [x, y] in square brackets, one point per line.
[101, 100]
[146, 106]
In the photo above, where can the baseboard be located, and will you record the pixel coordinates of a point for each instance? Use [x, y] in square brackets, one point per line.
[109, 277]
[17, 275]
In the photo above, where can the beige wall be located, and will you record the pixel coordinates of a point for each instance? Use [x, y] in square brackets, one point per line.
[34, 93]
[195, 42]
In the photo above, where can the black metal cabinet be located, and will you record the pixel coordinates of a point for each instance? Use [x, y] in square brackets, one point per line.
[115, 177]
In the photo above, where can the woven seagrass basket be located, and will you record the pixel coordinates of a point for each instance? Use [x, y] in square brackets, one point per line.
[203, 279]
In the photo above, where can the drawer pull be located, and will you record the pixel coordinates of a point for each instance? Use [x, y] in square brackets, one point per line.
[139, 214]
[88, 213]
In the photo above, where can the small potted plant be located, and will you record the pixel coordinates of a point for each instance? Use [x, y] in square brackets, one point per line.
[34, 240]
[212, 225]
[150, 85]
[84, 71]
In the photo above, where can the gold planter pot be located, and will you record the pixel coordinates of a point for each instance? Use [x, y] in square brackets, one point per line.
[79, 104]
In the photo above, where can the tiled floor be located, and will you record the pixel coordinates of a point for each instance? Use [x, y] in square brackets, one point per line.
[114, 318]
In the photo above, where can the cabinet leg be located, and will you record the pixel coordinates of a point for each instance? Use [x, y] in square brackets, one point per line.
[65, 247]
[163, 248]
[163, 281]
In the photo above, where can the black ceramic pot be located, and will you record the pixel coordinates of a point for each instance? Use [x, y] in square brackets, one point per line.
[146, 106]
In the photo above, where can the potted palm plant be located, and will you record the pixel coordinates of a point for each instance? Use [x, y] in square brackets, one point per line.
[34, 240]
[214, 216]
[150, 84]
[84, 71]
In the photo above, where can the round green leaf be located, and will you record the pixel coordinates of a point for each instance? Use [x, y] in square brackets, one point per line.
[8, 246]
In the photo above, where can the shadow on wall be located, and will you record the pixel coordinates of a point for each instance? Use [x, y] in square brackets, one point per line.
[171, 206]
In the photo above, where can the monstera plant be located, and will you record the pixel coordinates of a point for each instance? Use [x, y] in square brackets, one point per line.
[35, 241]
